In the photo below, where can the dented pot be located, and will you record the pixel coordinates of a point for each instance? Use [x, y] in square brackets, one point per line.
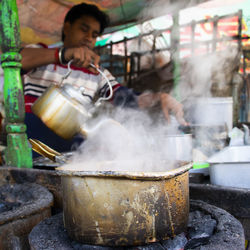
[125, 208]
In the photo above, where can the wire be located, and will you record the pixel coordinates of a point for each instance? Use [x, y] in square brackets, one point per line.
[122, 9]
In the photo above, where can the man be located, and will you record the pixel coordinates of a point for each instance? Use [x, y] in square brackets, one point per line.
[43, 67]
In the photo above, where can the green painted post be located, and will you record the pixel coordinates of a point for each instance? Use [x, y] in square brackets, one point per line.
[18, 152]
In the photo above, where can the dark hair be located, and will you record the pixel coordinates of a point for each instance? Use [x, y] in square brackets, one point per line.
[83, 9]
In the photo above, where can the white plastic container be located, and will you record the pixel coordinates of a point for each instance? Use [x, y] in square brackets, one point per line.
[179, 147]
[231, 167]
[214, 111]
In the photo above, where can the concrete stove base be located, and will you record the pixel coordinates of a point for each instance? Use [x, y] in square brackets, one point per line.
[236, 201]
[229, 234]
[17, 222]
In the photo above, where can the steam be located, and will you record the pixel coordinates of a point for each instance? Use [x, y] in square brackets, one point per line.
[163, 7]
[206, 89]
[202, 75]
[132, 143]
[130, 140]
[136, 142]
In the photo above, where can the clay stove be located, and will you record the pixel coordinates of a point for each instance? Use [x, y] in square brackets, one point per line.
[22, 206]
[209, 227]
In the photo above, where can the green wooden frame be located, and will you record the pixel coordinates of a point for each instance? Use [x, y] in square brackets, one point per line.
[18, 152]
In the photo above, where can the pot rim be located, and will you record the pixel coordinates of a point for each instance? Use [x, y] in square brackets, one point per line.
[185, 166]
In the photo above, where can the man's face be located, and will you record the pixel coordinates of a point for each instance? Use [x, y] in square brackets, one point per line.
[83, 32]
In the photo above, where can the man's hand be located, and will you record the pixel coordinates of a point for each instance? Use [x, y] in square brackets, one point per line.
[147, 99]
[168, 104]
[82, 57]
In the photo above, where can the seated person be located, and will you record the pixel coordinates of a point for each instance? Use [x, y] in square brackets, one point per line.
[43, 66]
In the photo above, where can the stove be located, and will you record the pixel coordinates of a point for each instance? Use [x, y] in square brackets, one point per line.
[209, 227]
[22, 206]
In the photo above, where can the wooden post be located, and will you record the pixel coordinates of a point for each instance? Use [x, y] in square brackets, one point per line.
[18, 152]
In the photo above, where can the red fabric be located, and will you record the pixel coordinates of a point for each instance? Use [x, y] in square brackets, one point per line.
[114, 89]
[43, 45]
[29, 100]
[57, 55]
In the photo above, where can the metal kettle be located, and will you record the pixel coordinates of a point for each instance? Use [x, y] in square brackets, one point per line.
[64, 109]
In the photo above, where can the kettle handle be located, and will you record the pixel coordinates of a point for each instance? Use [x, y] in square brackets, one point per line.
[98, 102]
[68, 73]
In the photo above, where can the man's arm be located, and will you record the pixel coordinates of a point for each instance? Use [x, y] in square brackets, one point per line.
[35, 57]
[126, 98]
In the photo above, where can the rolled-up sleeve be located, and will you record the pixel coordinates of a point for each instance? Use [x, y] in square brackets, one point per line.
[125, 97]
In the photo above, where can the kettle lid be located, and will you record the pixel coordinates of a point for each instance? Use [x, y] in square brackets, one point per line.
[75, 94]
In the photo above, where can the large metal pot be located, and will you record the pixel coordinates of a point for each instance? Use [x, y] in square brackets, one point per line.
[125, 208]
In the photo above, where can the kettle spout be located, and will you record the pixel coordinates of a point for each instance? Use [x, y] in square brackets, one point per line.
[246, 135]
[87, 131]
